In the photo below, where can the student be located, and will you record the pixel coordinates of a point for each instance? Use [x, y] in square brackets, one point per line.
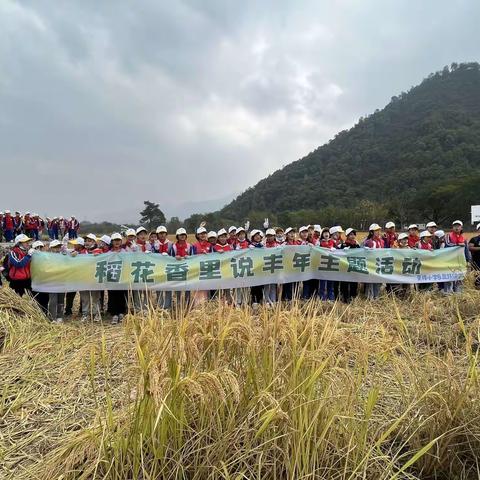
[290, 290]
[256, 292]
[241, 294]
[232, 238]
[401, 290]
[18, 226]
[279, 236]
[74, 247]
[8, 226]
[40, 297]
[317, 230]
[390, 236]
[103, 244]
[212, 238]
[73, 226]
[336, 236]
[181, 250]
[202, 247]
[222, 244]
[130, 240]
[56, 301]
[439, 240]
[456, 239]
[270, 290]
[425, 244]
[141, 240]
[432, 228]
[413, 237]
[163, 242]
[30, 226]
[349, 290]
[117, 299]
[474, 247]
[19, 265]
[90, 300]
[374, 240]
[326, 288]
[310, 286]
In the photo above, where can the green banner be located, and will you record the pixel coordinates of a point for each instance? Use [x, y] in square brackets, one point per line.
[242, 268]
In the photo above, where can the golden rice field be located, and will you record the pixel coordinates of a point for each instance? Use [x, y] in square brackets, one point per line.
[373, 390]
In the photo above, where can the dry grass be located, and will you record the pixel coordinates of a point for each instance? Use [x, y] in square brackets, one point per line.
[375, 390]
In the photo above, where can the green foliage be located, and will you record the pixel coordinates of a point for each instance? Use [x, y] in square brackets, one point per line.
[151, 215]
[411, 160]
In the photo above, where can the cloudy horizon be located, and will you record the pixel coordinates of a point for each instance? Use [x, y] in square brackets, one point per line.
[106, 104]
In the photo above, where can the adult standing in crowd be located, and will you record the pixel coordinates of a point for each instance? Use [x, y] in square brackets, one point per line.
[474, 247]
[19, 265]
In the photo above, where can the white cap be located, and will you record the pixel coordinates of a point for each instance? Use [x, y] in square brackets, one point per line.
[335, 229]
[222, 231]
[302, 229]
[212, 234]
[7, 211]
[240, 229]
[439, 233]
[413, 225]
[130, 232]
[77, 241]
[140, 229]
[180, 231]
[201, 230]
[55, 243]
[270, 231]
[255, 232]
[390, 225]
[425, 233]
[116, 236]
[92, 236]
[374, 226]
[348, 231]
[289, 229]
[233, 228]
[37, 244]
[161, 229]
[431, 224]
[35, 215]
[402, 236]
[317, 228]
[22, 238]
[458, 222]
[106, 239]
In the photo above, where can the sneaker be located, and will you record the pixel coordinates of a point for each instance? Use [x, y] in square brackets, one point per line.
[59, 320]
[97, 318]
[255, 307]
[115, 319]
[121, 317]
[84, 319]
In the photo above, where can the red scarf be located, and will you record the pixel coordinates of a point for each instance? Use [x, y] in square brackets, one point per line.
[241, 244]
[413, 240]
[330, 243]
[222, 248]
[271, 244]
[457, 238]
[425, 245]
[203, 247]
[182, 248]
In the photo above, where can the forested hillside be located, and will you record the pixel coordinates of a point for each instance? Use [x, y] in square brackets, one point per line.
[417, 158]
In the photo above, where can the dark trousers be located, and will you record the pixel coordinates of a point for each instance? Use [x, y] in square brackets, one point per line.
[42, 299]
[69, 298]
[256, 294]
[326, 290]
[9, 235]
[72, 233]
[20, 287]
[348, 291]
[117, 302]
[310, 288]
[290, 291]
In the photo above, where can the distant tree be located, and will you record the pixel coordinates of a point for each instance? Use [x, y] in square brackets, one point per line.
[151, 215]
[173, 224]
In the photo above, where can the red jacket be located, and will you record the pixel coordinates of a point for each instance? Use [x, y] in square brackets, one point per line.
[330, 243]
[19, 262]
[375, 243]
[241, 245]
[271, 244]
[424, 246]
[222, 248]
[8, 222]
[412, 241]
[202, 248]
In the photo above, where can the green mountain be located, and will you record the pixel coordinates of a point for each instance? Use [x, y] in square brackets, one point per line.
[418, 158]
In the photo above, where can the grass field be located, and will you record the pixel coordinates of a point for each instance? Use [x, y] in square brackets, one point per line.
[373, 390]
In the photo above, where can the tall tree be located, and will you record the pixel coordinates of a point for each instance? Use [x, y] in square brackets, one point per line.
[151, 215]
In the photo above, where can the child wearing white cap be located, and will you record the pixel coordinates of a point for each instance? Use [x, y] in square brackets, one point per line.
[474, 247]
[56, 301]
[455, 238]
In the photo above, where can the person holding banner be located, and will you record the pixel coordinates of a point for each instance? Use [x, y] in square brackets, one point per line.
[256, 292]
[202, 247]
[289, 290]
[413, 237]
[117, 299]
[19, 265]
[456, 239]
[241, 294]
[390, 236]
[309, 287]
[349, 290]
[374, 240]
[326, 289]
[56, 301]
[270, 290]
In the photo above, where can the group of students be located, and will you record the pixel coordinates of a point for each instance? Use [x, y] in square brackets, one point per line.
[32, 225]
[16, 264]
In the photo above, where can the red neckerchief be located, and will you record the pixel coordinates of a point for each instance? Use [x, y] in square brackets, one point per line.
[182, 248]
[142, 245]
[327, 243]
[457, 238]
[222, 248]
[271, 244]
[350, 243]
[292, 242]
[241, 244]
[425, 246]
[203, 247]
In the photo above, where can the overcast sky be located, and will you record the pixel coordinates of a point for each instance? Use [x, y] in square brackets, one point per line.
[104, 104]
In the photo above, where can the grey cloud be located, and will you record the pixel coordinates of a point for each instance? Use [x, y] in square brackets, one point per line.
[105, 104]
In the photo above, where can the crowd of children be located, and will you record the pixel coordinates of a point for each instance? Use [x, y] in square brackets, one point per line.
[32, 225]
[16, 264]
